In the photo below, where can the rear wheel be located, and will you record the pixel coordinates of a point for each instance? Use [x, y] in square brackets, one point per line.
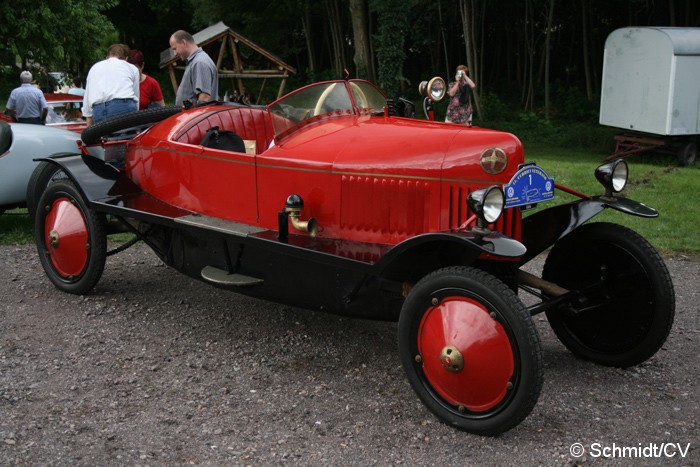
[70, 238]
[470, 350]
[41, 177]
[628, 304]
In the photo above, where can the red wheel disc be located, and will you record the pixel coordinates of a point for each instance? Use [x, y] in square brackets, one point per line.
[466, 354]
[66, 237]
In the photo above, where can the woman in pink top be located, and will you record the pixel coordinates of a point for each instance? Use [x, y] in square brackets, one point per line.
[149, 89]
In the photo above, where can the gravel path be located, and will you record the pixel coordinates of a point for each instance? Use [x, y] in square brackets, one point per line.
[153, 368]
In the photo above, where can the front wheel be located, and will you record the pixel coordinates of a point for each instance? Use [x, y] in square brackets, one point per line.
[627, 302]
[470, 350]
[70, 238]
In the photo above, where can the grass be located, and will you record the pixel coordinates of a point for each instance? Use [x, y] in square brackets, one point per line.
[15, 227]
[654, 180]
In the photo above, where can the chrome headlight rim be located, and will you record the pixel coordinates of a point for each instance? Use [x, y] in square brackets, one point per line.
[435, 89]
[487, 203]
[613, 176]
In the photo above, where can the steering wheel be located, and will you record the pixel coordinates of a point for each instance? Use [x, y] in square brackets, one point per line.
[318, 110]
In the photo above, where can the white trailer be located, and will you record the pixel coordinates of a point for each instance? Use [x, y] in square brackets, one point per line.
[651, 89]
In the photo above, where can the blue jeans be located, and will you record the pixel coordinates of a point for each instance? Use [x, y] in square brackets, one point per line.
[109, 109]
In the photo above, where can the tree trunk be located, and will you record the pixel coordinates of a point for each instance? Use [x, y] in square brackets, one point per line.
[584, 40]
[529, 63]
[466, 9]
[550, 21]
[362, 58]
[306, 22]
[336, 32]
[444, 41]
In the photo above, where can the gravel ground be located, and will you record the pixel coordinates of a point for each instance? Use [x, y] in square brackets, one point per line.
[153, 368]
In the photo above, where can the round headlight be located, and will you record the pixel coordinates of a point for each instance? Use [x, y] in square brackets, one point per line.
[487, 203]
[613, 176]
[619, 177]
[434, 89]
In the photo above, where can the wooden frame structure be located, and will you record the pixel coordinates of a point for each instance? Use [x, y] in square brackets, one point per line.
[229, 42]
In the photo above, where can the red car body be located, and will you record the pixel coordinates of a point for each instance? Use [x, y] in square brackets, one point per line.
[328, 199]
[370, 180]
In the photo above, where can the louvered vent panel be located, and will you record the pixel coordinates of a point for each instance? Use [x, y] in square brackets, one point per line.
[376, 204]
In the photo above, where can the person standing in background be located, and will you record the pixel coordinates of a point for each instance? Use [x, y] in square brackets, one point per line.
[26, 103]
[150, 94]
[460, 109]
[76, 87]
[112, 86]
[200, 83]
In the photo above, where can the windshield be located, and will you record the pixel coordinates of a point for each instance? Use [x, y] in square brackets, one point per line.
[62, 112]
[324, 100]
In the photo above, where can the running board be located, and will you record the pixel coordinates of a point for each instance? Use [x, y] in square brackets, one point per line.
[219, 225]
[220, 277]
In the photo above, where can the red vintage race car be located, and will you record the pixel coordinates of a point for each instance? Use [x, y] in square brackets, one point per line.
[330, 199]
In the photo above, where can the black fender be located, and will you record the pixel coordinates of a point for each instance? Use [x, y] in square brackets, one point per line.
[92, 176]
[541, 230]
[107, 189]
[417, 256]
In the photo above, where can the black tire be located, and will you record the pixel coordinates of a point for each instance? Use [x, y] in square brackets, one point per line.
[72, 246]
[41, 177]
[93, 133]
[5, 136]
[627, 313]
[501, 377]
[687, 154]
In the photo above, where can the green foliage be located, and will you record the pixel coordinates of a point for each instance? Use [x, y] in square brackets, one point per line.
[56, 35]
[392, 23]
[493, 108]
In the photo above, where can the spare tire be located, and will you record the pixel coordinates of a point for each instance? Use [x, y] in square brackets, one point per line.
[93, 133]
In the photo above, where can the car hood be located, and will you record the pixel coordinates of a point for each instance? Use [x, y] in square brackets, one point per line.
[392, 147]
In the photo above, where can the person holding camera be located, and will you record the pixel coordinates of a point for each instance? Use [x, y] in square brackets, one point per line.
[460, 109]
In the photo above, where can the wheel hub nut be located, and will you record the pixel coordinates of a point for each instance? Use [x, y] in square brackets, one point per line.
[452, 359]
[53, 238]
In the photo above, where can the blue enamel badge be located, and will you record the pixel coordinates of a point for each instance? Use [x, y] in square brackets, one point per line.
[530, 185]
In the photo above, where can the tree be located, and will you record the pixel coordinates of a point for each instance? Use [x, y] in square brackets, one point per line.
[29, 30]
[134, 19]
[468, 14]
[360, 29]
[334, 16]
[547, 52]
[392, 20]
